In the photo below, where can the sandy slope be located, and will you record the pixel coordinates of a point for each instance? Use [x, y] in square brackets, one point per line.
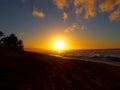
[32, 71]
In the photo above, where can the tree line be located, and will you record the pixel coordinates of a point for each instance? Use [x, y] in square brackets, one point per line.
[10, 42]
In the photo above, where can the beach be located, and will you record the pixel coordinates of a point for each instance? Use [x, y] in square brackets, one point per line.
[35, 71]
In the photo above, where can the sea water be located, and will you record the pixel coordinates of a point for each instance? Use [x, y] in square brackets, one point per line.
[109, 56]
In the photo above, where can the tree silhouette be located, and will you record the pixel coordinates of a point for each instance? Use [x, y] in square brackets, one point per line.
[12, 42]
[1, 35]
[9, 40]
[20, 44]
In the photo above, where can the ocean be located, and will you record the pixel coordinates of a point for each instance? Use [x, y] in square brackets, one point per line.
[109, 56]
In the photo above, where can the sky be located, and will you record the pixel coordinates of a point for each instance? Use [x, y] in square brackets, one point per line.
[81, 24]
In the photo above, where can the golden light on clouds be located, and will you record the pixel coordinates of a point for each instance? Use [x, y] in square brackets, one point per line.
[77, 2]
[78, 11]
[115, 15]
[117, 2]
[38, 13]
[65, 16]
[107, 5]
[60, 3]
[88, 8]
[75, 27]
[110, 5]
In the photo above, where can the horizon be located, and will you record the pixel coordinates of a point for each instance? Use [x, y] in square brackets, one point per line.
[75, 25]
[45, 50]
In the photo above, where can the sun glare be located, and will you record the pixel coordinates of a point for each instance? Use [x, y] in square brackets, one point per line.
[59, 45]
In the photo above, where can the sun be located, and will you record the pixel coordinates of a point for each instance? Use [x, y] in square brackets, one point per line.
[59, 45]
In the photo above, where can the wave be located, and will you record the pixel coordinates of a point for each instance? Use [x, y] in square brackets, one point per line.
[105, 55]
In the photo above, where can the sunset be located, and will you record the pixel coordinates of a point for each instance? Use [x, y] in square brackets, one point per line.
[65, 44]
[59, 45]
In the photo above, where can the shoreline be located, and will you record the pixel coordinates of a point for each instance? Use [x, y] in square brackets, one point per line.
[89, 60]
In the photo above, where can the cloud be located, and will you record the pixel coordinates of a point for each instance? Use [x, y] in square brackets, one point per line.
[107, 5]
[86, 6]
[118, 2]
[89, 8]
[115, 16]
[65, 16]
[61, 4]
[38, 13]
[83, 28]
[78, 2]
[75, 26]
[110, 5]
[78, 11]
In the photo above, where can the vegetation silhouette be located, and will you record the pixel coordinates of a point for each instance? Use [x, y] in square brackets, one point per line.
[1, 35]
[11, 42]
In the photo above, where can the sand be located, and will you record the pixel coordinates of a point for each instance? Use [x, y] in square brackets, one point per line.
[33, 71]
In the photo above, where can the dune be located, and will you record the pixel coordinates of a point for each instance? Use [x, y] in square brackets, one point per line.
[34, 71]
